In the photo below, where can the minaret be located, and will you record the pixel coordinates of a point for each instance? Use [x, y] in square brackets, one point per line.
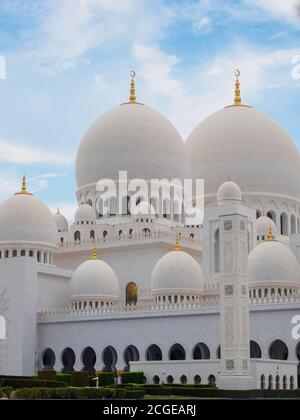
[234, 296]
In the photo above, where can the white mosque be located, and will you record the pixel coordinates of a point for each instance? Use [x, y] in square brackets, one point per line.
[202, 303]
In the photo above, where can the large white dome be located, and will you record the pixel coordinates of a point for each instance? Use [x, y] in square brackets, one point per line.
[272, 264]
[96, 280]
[132, 138]
[177, 272]
[247, 145]
[24, 218]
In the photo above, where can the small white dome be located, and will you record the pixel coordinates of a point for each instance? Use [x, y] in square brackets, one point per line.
[229, 193]
[271, 263]
[94, 279]
[143, 209]
[85, 213]
[24, 218]
[177, 272]
[61, 222]
[194, 216]
[263, 224]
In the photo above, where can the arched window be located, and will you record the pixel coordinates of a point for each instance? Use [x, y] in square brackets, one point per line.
[277, 382]
[293, 225]
[183, 379]
[61, 240]
[23, 253]
[258, 213]
[38, 256]
[211, 380]
[15, 253]
[68, 359]
[30, 253]
[255, 350]
[89, 360]
[278, 350]
[192, 236]
[284, 229]
[262, 382]
[170, 380]
[284, 382]
[177, 352]
[270, 382]
[201, 351]
[272, 215]
[92, 234]
[131, 354]
[77, 236]
[109, 358]
[146, 232]
[197, 380]
[105, 234]
[156, 380]
[131, 293]
[292, 384]
[217, 251]
[153, 353]
[48, 359]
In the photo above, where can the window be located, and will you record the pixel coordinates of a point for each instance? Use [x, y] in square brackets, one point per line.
[77, 236]
[131, 293]
[92, 234]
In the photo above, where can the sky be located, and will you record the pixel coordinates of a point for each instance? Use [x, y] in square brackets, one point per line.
[63, 63]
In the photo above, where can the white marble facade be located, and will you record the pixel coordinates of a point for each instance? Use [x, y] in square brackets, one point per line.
[137, 299]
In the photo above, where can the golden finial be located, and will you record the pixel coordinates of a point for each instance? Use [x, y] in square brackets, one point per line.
[94, 255]
[270, 234]
[132, 98]
[237, 98]
[24, 190]
[177, 247]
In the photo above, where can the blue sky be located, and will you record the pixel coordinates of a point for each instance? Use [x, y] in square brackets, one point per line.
[68, 61]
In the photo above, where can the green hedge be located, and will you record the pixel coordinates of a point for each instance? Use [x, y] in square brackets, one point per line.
[30, 383]
[76, 393]
[133, 378]
[5, 392]
[64, 378]
[220, 393]
[106, 378]
[47, 375]
[80, 379]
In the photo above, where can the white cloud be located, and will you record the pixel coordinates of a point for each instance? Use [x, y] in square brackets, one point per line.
[13, 153]
[155, 67]
[286, 9]
[8, 186]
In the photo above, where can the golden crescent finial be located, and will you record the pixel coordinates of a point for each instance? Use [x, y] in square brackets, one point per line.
[177, 247]
[270, 234]
[132, 98]
[94, 255]
[237, 98]
[24, 189]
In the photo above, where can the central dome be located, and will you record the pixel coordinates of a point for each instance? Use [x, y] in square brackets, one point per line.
[132, 138]
[247, 145]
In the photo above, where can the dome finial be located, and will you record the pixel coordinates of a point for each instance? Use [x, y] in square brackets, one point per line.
[177, 247]
[132, 98]
[270, 234]
[94, 255]
[237, 98]
[24, 189]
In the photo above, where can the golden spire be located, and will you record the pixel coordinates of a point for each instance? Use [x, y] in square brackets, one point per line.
[237, 98]
[270, 234]
[177, 247]
[24, 190]
[132, 98]
[94, 255]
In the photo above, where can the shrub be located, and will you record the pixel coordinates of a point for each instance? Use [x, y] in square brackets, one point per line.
[134, 394]
[47, 375]
[80, 379]
[29, 383]
[64, 378]
[133, 378]
[106, 378]
[5, 392]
